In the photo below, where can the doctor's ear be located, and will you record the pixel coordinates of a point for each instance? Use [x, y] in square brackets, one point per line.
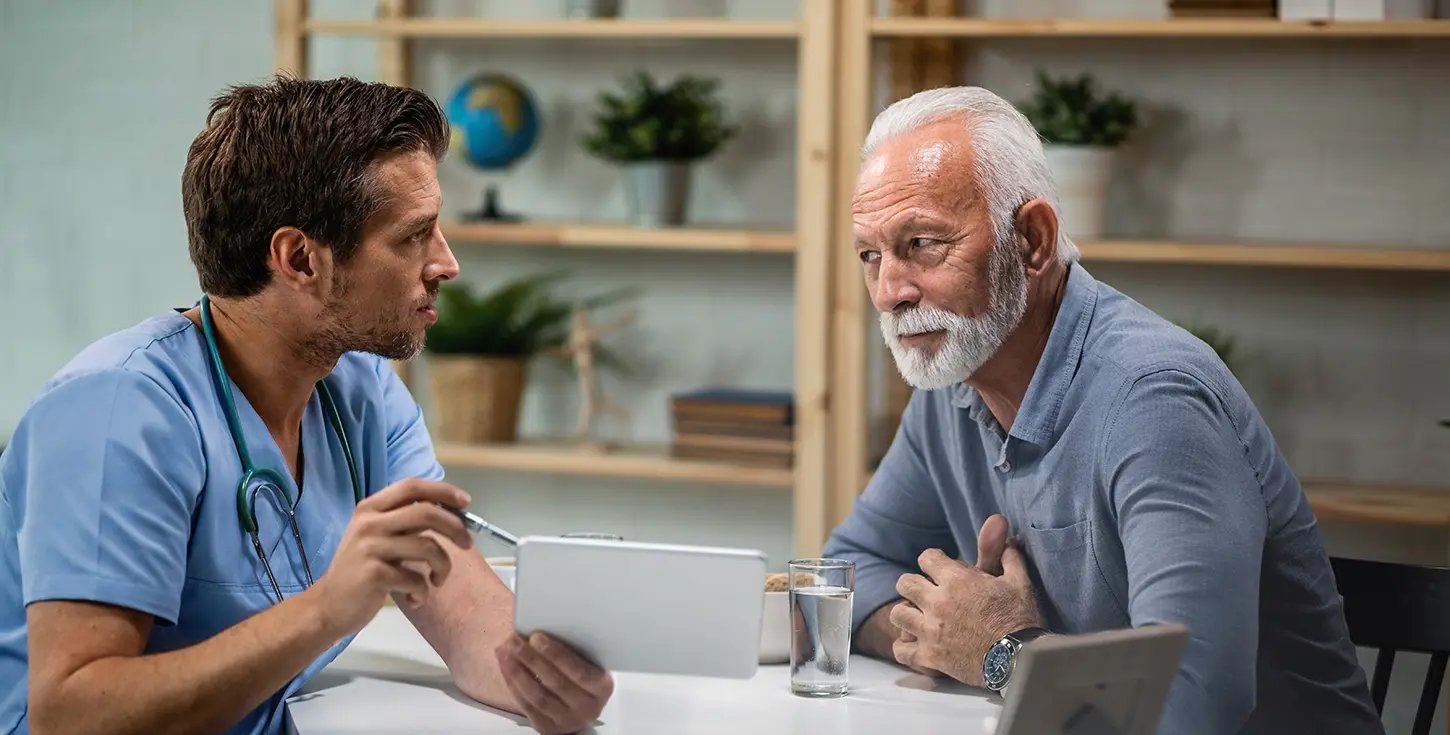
[294, 256]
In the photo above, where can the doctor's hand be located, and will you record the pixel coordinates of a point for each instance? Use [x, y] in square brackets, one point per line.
[957, 611]
[556, 689]
[387, 548]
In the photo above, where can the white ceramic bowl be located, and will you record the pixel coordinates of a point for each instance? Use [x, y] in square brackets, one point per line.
[775, 629]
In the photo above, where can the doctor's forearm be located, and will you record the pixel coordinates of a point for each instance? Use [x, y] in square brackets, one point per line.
[207, 687]
[480, 678]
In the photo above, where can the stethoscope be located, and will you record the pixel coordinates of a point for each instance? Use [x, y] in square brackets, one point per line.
[268, 478]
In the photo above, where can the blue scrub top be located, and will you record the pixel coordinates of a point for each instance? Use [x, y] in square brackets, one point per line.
[119, 486]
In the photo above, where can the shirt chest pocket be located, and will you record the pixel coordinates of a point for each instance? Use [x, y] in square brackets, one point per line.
[1072, 593]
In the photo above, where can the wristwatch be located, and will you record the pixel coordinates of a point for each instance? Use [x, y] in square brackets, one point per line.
[1001, 658]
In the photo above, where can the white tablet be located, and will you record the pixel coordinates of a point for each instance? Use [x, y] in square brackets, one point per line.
[1109, 683]
[654, 608]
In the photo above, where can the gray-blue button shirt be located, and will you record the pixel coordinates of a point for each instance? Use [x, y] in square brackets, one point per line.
[1146, 489]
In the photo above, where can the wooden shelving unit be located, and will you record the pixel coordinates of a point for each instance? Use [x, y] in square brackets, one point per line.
[1277, 255]
[621, 236]
[809, 242]
[683, 29]
[1268, 28]
[638, 461]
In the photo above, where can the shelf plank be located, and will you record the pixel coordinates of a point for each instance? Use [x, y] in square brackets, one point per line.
[621, 236]
[1400, 505]
[630, 461]
[605, 29]
[885, 27]
[1268, 254]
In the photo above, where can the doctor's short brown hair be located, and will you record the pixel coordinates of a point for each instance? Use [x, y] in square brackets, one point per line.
[296, 153]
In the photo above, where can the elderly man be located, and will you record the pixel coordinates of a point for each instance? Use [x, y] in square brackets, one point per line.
[1137, 481]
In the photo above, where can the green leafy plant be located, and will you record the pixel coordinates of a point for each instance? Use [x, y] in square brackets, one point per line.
[680, 122]
[518, 319]
[1070, 111]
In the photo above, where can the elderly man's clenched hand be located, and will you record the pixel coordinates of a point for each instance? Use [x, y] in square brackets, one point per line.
[954, 612]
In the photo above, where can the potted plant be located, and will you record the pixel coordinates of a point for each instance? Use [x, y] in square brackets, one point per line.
[655, 132]
[1081, 130]
[481, 345]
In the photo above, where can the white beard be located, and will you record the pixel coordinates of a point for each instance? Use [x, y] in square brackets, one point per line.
[970, 341]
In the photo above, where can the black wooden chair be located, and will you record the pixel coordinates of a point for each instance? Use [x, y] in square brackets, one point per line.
[1398, 607]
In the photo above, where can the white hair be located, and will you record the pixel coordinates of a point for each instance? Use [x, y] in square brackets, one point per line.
[1007, 152]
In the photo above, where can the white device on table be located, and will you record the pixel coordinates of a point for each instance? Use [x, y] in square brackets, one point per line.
[653, 608]
[1109, 683]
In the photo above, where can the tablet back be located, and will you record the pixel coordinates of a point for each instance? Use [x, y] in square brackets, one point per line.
[655, 608]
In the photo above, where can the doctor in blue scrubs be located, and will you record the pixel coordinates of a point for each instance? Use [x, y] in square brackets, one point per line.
[199, 512]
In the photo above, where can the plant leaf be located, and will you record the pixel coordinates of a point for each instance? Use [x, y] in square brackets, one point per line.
[683, 120]
[518, 318]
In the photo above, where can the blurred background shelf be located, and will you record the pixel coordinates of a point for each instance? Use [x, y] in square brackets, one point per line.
[537, 29]
[645, 461]
[887, 27]
[1268, 254]
[1357, 503]
[620, 236]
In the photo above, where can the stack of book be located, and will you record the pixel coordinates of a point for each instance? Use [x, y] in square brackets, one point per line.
[1222, 8]
[755, 428]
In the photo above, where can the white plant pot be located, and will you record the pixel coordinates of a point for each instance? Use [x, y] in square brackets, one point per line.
[658, 191]
[1083, 174]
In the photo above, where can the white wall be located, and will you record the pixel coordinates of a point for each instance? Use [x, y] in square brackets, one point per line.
[98, 104]
[1303, 140]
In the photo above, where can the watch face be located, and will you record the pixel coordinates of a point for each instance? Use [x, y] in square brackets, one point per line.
[998, 665]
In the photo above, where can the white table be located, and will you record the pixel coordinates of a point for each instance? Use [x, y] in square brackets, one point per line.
[390, 680]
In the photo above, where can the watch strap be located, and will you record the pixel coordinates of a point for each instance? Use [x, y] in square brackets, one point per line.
[1027, 635]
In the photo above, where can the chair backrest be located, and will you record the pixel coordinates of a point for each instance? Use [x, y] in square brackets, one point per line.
[1398, 607]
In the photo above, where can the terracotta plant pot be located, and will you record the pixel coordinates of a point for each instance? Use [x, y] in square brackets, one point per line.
[477, 398]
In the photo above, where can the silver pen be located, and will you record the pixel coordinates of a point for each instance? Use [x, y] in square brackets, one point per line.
[476, 524]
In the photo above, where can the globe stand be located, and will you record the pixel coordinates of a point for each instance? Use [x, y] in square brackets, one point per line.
[491, 211]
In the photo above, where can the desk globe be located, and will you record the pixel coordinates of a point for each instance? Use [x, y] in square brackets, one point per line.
[494, 123]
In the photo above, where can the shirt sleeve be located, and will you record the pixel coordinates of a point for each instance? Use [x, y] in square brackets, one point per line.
[110, 470]
[893, 522]
[410, 448]
[1192, 520]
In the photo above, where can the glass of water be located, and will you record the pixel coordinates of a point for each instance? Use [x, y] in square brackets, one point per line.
[820, 625]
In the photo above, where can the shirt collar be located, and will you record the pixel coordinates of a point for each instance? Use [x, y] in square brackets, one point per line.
[1037, 418]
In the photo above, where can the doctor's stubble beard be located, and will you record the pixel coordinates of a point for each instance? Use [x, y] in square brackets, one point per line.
[970, 340]
[400, 340]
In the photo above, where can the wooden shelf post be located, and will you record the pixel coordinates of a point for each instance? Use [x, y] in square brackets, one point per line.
[815, 232]
[848, 324]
